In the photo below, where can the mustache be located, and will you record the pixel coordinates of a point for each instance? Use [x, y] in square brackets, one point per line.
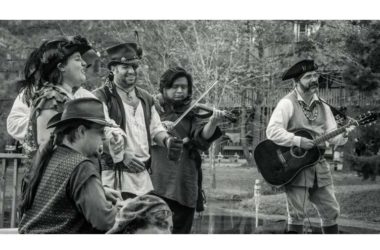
[314, 84]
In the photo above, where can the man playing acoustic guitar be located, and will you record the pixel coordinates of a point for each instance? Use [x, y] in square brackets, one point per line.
[302, 109]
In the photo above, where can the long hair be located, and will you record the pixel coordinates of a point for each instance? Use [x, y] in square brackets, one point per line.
[166, 81]
[49, 61]
[33, 177]
[172, 74]
[42, 157]
[32, 79]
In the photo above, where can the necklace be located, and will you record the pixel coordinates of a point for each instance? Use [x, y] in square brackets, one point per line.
[132, 100]
[128, 93]
[311, 112]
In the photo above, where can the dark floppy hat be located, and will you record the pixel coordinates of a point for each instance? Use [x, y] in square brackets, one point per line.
[146, 207]
[65, 46]
[88, 109]
[124, 53]
[299, 69]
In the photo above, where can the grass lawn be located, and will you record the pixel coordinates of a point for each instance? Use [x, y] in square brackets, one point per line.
[359, 200]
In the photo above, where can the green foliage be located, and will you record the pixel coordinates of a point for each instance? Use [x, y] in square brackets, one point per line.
[364, 46]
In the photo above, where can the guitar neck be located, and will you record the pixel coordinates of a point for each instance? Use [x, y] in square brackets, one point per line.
[332, 134]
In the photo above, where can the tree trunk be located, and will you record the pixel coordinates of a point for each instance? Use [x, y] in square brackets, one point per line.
[243, 132]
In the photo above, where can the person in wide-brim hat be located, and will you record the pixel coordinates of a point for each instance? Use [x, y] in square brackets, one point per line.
[89, 109]
[63, 192]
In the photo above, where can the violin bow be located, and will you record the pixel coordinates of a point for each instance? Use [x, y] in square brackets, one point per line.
[193, 105]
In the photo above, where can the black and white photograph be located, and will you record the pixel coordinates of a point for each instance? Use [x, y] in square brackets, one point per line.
[190, 126]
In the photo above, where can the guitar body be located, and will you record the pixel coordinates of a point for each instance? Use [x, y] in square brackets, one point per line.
[280, 165]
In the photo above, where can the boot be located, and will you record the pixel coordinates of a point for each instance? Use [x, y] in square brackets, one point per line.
[331, 229]
[295, 229]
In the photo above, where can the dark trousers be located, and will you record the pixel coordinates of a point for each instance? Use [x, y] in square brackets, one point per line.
[182, 216]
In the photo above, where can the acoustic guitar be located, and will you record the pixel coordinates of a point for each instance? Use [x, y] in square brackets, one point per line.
[279, 165]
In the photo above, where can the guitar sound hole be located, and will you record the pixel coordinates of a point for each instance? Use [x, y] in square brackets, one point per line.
[297, 152]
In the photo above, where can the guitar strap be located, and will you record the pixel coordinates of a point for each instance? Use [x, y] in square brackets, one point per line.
[334, 110]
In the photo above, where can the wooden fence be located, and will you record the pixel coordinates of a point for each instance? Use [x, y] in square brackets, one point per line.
[269, 97]
[9, 160]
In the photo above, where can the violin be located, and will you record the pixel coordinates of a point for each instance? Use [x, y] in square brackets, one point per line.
[204, 111]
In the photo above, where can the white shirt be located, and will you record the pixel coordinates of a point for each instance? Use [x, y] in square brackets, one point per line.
[276, 130]
[136, 142]
[136, 132]
[18, 118]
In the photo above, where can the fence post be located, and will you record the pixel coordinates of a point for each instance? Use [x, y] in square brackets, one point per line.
[3, 176]
[14, 195]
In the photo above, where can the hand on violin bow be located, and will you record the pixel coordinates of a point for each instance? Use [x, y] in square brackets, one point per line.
[168, 125]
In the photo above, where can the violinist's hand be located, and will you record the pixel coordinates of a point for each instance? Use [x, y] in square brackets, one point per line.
[217, 116]
[168, 125]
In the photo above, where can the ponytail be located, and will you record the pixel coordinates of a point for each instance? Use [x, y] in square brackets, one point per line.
[33, 177]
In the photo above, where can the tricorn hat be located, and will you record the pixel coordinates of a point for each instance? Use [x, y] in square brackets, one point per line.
[88, 109]
[299, 69]
[124, 53]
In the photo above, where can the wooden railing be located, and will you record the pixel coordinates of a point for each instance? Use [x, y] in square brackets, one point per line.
[7, 158]
[270, 97]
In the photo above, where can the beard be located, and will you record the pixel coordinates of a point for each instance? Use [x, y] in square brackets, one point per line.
[309, 87]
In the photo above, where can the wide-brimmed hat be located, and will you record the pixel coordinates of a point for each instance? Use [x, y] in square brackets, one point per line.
[57, 50]
[124, 53]
[299, 69]
[88, 109]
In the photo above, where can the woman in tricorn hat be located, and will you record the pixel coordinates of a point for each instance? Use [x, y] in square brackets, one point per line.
[61, 71]
[18, 118]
